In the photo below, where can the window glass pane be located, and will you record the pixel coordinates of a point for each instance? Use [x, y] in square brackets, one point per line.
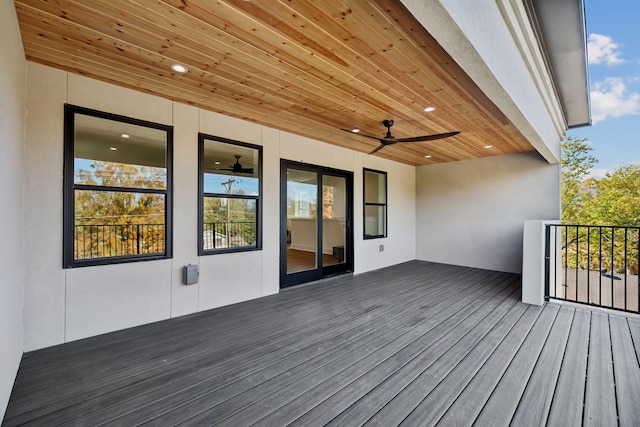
[230, 169]
[117, 223]
[374, 220]
[302, 190]
[112, 153]
[375, 187]
[229, 223]
[334, 229]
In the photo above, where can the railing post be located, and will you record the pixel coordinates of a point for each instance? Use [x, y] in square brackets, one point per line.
[138, 238]
[547, 260]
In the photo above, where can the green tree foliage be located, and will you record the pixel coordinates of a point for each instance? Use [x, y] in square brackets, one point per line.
[616, 198]
[612, 200]
[577, 162]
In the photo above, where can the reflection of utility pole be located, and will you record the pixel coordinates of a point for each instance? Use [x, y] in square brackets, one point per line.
[228, 187]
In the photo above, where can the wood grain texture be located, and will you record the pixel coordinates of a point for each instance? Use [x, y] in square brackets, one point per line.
[414, 344]
[306, 67]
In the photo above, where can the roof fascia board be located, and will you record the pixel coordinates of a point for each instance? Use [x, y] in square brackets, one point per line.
[561, 28]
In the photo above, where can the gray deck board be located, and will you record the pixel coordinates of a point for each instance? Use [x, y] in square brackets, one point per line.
[384, 359]
[568, 400]
[199, 398]
[505, 399]
[535, 403]
[417, 382]
[626, 372]
[380, 376]
[230, 357]
[471, 399]
[414, 344]
[634, 327]
[600, 395]
[439, 399]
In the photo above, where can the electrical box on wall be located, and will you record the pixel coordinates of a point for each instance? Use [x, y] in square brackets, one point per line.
[190, 274]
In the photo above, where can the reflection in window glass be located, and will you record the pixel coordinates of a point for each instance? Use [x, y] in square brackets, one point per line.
[230, 195]
[375, 204]
[116, 154]
[116, 179]
[302, 199]
[374, 224]
[375, 186]
[229, 223]
[138, 228]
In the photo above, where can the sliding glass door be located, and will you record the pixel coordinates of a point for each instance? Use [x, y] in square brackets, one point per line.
[316, 216]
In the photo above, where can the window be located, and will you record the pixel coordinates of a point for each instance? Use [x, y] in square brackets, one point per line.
[117, 181]
[230, 191]
[375, 204]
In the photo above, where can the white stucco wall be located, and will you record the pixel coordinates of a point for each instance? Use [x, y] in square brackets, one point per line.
[472, 212]
[12, 102]
[64, 305]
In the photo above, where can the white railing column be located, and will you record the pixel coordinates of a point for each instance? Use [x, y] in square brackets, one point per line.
[533, 261]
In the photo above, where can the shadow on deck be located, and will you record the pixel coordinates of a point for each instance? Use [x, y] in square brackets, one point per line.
[414, 344]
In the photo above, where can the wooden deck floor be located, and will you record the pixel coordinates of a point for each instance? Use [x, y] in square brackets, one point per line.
[414, 344]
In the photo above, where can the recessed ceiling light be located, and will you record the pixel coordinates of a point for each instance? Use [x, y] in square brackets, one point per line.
[427, 157]
[216, 163]
[125, 136]
[113, 148]
[355, 130]
[179, 68]
[429, 109]
[488, 146]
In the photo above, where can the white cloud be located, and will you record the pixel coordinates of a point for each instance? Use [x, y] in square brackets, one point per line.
[601, 173]
[611, 99]
[602, 49]
[598, 173]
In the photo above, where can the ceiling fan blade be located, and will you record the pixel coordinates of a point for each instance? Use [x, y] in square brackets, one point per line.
[379, 147]
[364, 134]
[428, 137]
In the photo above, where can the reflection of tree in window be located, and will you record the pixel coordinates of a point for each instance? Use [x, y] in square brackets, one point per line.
[117, 179]
[327, 201]
[113, 223]
[230, 194]
[108, 207]
[230, 220]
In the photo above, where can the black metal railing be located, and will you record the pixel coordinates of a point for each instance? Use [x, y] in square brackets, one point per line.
[93, 241]
[593, 264]
[220, 235]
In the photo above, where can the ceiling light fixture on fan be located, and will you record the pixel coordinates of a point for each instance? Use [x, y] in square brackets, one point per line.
[389, 139]
[237, 167]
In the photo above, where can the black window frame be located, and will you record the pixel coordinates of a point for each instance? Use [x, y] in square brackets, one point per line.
[202, 137]
[69, 188]
[365, 204]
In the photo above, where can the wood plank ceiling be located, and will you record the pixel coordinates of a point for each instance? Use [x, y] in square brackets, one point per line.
[303, 66]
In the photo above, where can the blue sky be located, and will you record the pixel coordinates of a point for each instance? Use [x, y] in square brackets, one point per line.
[613, 36]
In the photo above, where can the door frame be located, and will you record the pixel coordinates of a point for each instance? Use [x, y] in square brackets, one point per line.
[320, 271]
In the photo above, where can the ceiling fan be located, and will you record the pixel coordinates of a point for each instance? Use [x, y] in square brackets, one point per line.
[237, 167]
[389, 139]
